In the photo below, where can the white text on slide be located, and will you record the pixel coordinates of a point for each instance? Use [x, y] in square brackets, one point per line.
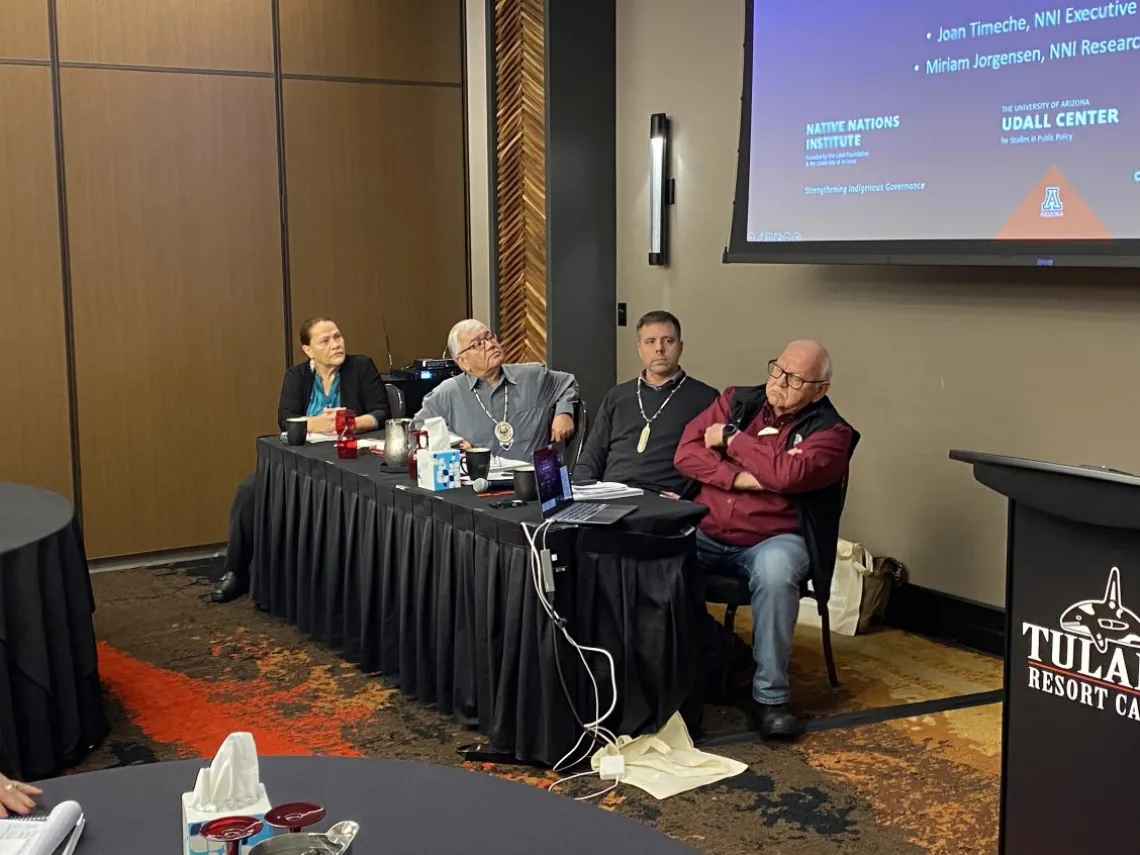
[956, 61]
[861, 189]
[845, 133]
[1041, 20]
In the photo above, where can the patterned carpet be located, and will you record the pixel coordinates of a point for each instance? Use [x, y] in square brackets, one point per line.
[181, 673]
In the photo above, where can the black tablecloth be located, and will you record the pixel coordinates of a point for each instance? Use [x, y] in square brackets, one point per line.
[434, 590]
[51, 709]
[401, 807]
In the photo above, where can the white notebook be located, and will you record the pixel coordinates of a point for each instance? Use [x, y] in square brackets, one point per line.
[56, 833]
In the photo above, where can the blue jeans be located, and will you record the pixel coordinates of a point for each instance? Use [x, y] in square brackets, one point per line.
[775, 568]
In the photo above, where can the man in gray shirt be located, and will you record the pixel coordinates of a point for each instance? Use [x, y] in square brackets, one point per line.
[511, 409]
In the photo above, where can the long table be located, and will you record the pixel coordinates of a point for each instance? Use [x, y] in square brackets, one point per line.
[434, 591]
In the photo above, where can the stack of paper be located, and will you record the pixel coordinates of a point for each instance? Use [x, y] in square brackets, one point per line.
[40, 834]
[602, 490]
[502, 467]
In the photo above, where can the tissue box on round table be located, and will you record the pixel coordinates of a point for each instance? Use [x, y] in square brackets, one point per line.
[193, 843]
[438, 470]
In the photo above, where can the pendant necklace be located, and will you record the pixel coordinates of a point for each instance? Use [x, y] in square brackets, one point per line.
[643, 440]
[504, 432]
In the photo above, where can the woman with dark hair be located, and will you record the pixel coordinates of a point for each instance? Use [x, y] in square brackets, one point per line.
[331, 379]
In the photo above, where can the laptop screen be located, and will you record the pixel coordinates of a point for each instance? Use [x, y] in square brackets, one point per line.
[553, 480]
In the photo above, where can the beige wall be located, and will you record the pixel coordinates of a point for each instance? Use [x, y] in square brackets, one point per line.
[925, 360]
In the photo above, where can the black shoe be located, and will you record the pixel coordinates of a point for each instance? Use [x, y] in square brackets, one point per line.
[775, 721]
[230, 587]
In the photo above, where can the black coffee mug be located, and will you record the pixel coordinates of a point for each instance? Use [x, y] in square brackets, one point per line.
[296, 430]
[526, 485]
[477, 463]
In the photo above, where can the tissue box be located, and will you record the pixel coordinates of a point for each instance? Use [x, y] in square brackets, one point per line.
[438, 470]
[193, 843]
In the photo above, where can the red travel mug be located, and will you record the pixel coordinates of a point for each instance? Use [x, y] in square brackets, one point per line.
[417, 439]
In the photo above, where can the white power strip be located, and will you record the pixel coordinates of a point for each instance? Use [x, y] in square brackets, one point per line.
[612, 767]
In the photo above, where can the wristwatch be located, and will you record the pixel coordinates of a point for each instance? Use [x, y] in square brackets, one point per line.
[727, 432]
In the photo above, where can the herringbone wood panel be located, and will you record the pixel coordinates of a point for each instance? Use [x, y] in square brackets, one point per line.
[521, 186]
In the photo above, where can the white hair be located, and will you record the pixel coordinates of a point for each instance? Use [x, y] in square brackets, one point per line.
[467, 326]
[824, 357]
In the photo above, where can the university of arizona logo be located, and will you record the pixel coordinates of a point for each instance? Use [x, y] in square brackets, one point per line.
[1052, 206]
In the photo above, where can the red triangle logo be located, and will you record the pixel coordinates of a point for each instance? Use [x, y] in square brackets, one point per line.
[1053, 210]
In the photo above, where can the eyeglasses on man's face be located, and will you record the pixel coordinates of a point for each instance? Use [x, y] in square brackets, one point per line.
[794, 381]
[480, 342]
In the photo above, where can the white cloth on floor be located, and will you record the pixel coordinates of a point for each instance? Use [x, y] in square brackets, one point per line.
[666, 763]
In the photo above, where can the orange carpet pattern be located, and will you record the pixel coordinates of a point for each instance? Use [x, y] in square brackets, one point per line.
[181, 673]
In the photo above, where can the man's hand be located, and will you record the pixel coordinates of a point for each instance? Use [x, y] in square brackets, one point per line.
[669, 495]
[16, 797]
[745, 481]
[562, 428]
[324, 423]
[714, 436]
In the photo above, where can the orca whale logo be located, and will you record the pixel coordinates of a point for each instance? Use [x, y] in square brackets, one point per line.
[1105, 621]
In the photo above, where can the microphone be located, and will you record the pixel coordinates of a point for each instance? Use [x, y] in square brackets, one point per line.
[387, 344]
[480, 485]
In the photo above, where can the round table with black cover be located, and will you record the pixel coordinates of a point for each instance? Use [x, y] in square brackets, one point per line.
[51, 709]
[402, 807]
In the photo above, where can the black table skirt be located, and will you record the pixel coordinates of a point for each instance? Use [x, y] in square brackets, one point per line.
[403, 809]
[434, 591]
[51, 708]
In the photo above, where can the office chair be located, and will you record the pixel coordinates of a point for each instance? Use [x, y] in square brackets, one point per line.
[732, 592]
[581, 430]
[395, 402]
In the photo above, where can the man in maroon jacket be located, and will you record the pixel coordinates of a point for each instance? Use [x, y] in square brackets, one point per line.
[771, 462]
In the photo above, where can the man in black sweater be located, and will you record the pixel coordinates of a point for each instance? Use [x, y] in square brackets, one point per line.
[329, 380]
[635, 433]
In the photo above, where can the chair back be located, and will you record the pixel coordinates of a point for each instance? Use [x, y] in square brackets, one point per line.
[581, 431]
[804, 590]
[395, 401]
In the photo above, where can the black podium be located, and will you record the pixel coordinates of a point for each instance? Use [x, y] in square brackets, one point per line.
[1071, 720]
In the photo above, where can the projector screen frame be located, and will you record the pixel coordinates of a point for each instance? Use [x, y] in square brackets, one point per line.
[951, 253]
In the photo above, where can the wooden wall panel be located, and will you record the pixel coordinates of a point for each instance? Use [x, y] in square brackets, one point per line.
[520, 142]
[24, 29]
[36, 446]
[376, 212]
[218, 34]
[389, 39]
[176, 279]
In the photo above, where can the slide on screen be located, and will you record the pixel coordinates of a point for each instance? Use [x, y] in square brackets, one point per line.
[971, 120]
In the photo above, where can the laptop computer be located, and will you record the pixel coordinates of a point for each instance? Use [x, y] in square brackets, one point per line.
[556, 498]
